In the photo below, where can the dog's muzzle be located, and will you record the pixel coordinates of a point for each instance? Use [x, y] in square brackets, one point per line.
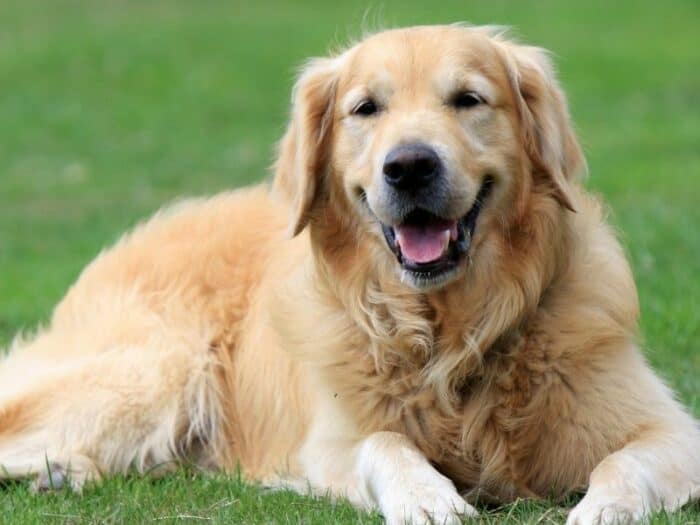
[429, 247]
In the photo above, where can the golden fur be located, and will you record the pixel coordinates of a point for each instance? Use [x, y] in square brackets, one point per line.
[209, 333]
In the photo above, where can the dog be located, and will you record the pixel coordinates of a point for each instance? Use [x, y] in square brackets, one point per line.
[424, 306]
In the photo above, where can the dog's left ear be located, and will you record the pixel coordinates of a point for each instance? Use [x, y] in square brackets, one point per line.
[548, 135]
[303, 152]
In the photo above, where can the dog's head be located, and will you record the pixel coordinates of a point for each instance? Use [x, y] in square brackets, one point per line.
[425, 142]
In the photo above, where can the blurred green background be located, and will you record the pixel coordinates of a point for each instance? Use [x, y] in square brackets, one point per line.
[108, 109]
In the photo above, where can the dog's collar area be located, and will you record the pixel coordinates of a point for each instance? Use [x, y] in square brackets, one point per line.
[456, 236]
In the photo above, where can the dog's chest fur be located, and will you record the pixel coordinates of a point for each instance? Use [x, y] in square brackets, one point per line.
[481, 432]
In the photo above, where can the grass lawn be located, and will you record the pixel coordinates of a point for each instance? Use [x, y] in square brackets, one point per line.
[110, 109]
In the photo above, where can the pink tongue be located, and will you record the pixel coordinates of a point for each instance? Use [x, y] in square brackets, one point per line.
[425, 243]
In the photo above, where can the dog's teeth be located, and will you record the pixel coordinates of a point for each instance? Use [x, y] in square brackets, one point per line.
[446, 235]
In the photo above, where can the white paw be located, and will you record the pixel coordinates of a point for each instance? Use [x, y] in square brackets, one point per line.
[606, 510]
[406, 487]
[53, 477]
[436, 503]
[57, 475]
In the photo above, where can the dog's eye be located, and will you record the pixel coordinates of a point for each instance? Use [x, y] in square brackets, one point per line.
[466, 99]
[365, 108]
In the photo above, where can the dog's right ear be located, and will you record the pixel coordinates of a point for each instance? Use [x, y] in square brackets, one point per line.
[548, 133]
[303, 152]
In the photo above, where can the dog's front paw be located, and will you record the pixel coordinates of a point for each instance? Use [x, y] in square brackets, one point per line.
[433, 503]
[606, 510]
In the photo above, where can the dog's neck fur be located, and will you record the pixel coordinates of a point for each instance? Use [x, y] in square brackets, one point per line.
[444, 336]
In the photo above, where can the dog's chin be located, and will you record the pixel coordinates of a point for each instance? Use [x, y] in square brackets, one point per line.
[430, 250]
[428, 281]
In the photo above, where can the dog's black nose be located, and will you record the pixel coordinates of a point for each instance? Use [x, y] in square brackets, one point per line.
[411, 166]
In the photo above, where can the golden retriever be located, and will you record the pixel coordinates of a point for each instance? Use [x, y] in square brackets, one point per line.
[425, 303]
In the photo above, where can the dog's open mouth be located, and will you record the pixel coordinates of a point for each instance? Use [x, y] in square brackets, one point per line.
[429, 246]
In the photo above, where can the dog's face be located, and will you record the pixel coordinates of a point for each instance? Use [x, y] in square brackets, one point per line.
[430, 137]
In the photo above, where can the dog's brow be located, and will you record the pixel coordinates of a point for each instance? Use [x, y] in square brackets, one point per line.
[379, 89]
[452, 81]
[353, 97]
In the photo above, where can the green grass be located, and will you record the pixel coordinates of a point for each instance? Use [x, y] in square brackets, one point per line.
[110, 109]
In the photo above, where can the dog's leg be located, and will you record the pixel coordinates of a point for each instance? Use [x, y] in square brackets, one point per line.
[137, 407]
[405, 486]
[660, 469]
[659, 465]
[383, 470]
